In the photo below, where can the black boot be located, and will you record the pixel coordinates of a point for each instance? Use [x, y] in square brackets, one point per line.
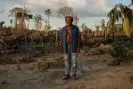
[66, 77]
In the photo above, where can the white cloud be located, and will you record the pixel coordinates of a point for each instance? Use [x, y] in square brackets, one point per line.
[101, 5]
[83, 7]
[77, 4]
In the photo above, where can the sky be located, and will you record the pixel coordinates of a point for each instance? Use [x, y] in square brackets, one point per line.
[90, 12]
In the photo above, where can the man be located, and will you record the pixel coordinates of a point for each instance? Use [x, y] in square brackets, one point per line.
[70, 36]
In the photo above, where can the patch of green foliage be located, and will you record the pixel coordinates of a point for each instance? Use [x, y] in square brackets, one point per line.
[120, 50]
[85, 48]
[49, 47]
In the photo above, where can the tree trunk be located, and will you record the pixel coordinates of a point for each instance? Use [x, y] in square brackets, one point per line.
[25, 39]
[83, 38]
[11, 25]
[31, 39]
[105, 33]
[48, 20]
[113, 35]
[122, 29]
[56, 36]
[16, 20]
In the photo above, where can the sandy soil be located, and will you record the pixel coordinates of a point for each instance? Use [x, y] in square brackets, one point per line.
[98, 75]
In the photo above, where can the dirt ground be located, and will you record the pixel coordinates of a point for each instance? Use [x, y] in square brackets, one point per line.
[98, 75]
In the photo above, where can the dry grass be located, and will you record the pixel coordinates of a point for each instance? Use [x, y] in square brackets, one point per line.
[46, 63]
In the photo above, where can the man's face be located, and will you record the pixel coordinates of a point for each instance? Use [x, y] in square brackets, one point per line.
[69, 21]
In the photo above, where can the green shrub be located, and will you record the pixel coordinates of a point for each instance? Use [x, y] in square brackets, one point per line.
[49, 47]
[85, 48]
[120, 50]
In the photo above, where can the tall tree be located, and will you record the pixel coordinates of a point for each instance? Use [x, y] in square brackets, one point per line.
[48, 13]
[121, 12]
[38, 23]
[20, 14]
[11, 23]
[97, 28]
[14, 12]
[1, 24]
[83, 26]
[111, 27]
[114, 16]
[65, 11]
[104, 28]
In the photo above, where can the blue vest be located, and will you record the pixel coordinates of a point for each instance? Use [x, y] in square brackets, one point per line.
[75, 38]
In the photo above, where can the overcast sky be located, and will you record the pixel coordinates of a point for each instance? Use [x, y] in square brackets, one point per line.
[89, 12]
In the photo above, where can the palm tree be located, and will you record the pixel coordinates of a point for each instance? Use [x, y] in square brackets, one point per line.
[11, 23]
[115, 15]
[14, 12]
[131, 3]
[48, 13]
[119, 12]
[20, 15]
[103, 27]
[38, 21]
[1, 24]
[111, 27]
[83, 26]
[97, 29]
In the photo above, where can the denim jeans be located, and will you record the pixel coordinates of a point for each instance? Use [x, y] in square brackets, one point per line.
[70, 61]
